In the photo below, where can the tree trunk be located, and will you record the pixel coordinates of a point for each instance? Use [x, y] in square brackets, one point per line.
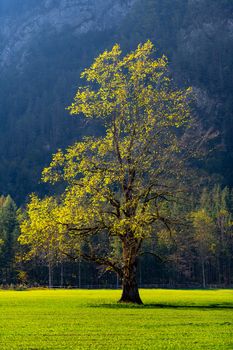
[203, 273]
[79, 274]
[50, 275]
[62, 275]
[130, 248]
[130, 292]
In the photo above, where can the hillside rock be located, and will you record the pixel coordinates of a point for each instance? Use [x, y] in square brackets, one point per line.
[19, 26]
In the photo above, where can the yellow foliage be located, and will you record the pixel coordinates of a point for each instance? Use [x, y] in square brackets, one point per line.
[115, 183]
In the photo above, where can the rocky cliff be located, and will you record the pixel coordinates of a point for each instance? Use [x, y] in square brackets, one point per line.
[20, 25]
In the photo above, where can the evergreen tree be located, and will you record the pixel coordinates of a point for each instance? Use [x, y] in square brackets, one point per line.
[9, 232]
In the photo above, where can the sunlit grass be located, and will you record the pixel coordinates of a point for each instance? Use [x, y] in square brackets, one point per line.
[73, 319]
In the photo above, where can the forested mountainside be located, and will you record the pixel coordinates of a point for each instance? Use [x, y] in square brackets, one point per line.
[44, 45]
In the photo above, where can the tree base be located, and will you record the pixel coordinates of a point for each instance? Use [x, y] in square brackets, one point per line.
[129, 301]
[130, 295]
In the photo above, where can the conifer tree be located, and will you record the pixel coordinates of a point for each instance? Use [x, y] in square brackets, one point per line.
[9, 232]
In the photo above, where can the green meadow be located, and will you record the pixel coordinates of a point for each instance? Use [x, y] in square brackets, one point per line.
[91, 319]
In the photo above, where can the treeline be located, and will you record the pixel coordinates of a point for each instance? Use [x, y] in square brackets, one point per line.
[9, 248]
[196, 251]
[201, 249]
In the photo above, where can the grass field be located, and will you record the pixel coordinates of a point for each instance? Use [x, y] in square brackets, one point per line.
[72, 319]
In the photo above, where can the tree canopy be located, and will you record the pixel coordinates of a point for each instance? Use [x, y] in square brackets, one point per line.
[118, 186]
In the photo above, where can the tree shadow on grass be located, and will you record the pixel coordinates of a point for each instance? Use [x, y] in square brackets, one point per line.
[163, 306]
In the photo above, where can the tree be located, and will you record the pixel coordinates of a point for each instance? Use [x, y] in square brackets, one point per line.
[222, 214]
[204, 237]
[39, 232]
[9, 231]
[117, 185]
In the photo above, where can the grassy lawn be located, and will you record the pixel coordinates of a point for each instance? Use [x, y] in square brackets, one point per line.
[72, 319]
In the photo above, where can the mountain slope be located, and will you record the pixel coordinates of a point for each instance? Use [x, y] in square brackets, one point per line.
[44, 47]
[22, 23]
[46, 44]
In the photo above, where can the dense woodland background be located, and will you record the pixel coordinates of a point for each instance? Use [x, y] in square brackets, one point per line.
[38, 81]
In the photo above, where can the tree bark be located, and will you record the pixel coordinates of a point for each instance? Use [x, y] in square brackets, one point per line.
[79, 274]
[50, 275]
[130, 292]
[62, 275]
[203, 273]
